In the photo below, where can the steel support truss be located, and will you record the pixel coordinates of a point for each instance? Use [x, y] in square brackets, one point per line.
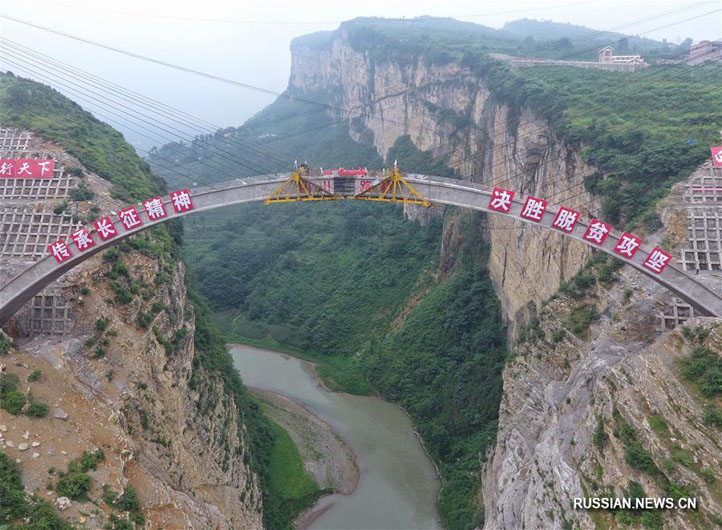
[393, 188]
[297, 188]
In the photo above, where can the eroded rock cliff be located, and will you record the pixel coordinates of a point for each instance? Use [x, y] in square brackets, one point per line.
[121, 372]
[450, 112]
[593, 402]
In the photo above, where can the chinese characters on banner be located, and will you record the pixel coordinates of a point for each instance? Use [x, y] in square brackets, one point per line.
[60, 251]
[597, 232]
[501, 201]
[181, 200]
[105, 228]
[26, 168]
[566, 219]
[657, 260]
[717, 156]
[534, 209]
[627, 245]
[129, 219]
[154, 208]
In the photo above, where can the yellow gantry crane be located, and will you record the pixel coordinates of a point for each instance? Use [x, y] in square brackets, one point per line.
[299, 188]
[393, 188]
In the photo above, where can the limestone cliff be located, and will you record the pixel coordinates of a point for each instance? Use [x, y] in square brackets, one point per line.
[449, 111]
[114, 339]
[577, 399]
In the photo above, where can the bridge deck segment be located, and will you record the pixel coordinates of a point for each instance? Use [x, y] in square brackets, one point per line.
[438, 190]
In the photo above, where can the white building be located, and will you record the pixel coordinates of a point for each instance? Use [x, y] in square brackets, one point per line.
[606, 55]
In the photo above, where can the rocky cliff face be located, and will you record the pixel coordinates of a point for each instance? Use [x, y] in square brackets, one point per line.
[123, 368]
[450, 112]
[576, 398]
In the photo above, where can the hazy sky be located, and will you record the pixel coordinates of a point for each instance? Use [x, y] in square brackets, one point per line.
[249, 41]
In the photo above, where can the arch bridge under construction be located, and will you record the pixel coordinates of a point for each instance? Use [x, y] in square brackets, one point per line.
[394, 187]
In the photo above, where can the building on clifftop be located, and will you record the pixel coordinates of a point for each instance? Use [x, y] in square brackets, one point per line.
[705, 51]
[606, 55]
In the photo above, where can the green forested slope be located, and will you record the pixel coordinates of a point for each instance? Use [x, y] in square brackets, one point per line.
[643, 131]
[28, 104]
[269, 142]
[102, 149]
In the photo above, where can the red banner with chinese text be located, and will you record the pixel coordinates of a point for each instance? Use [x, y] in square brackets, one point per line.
[717, 156]
[26, 168]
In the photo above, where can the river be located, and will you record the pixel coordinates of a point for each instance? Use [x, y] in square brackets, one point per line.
[397, 488]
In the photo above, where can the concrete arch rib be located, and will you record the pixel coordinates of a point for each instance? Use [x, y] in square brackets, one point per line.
[459, 193]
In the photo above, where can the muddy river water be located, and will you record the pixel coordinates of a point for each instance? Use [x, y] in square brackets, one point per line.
[398, 485]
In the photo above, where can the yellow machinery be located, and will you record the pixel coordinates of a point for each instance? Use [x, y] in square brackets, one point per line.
[299, 188]
[393, 188]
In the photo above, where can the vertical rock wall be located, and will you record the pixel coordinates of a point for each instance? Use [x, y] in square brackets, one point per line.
[448, 111]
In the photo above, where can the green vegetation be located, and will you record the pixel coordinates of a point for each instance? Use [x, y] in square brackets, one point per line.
[74, 486]
[643, 132]
[127, 501]
[12, 493]
[5, 344]
[13, 401]
[414, 160]
[60, 208]
[581, 318]
[100, 148]
[444, 366]
[90, 460]
[704, 368]
[37, 409]
[118, 523]
[712, 416]
[20, 510]
[81, 193]
[75, 483]
[635, 455]
[288, 480]
[659, 424]
[35, 375]
[329, 291]
[600, 437]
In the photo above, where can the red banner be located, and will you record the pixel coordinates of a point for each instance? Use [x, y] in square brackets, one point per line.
[26, 168]
[717, 156]
[352, 172]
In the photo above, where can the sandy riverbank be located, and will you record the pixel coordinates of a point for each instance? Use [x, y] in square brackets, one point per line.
[326, 455]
